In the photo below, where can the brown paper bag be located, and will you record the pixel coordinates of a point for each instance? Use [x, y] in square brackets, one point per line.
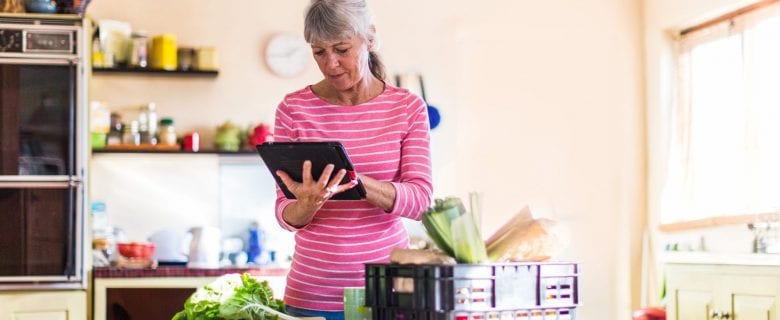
[526, 239]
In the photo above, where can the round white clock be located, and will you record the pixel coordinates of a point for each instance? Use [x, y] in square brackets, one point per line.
[287, 55]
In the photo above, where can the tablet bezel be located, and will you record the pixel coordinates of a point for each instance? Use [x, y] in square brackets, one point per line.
[289, 157]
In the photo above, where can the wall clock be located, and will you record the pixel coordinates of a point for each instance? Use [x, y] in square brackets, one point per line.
[287, 55]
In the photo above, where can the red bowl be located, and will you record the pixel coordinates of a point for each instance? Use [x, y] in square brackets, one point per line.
[136, 250]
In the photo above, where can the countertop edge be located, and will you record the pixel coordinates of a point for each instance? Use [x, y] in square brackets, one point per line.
[746, 259]
[175, 272]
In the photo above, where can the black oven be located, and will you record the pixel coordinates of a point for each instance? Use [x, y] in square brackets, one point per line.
[43, 153]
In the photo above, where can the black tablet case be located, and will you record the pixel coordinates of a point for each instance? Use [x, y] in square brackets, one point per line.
[289, 157]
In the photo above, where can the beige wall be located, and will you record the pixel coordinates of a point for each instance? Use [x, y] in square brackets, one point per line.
[542, 104]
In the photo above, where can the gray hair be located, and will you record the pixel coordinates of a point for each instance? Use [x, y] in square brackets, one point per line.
[332, 20]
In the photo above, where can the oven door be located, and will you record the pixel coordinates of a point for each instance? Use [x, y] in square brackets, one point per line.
[37, 117]
[41, 173]
[38, 234]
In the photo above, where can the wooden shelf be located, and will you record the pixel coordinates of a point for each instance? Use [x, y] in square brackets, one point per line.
[150, 151]
[146, 71]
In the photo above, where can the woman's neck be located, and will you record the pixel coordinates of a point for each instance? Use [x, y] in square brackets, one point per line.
[362, 91]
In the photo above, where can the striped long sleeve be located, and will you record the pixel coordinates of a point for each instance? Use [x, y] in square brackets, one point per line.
[387, 138]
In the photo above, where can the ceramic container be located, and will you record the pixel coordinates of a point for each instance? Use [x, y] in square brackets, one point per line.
[40, 6]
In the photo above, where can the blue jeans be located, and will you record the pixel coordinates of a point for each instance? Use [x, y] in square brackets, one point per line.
[298, 312]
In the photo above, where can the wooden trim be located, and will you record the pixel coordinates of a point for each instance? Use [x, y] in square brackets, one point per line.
[718, 221]
[728, 16]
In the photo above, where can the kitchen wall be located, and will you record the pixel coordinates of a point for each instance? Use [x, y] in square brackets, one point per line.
[663, 21]
[541, 102]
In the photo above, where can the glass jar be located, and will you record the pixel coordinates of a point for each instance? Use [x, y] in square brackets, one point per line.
[147, 123]
[185, 57]
[167, 132]
[97, 54]
[139, 43]
[115, 136]
[131, 135]
[116, 132]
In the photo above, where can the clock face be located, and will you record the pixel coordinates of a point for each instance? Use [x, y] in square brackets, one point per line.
[287, 55]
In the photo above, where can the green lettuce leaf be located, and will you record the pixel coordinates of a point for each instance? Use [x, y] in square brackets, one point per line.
[231, 297]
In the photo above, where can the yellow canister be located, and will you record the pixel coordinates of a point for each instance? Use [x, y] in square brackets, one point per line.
[164, 52]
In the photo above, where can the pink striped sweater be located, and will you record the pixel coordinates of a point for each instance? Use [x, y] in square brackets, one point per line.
[387, 138]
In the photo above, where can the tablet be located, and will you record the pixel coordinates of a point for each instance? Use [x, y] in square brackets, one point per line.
[289, 157]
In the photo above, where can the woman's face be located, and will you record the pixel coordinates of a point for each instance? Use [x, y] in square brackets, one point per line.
[343, 63]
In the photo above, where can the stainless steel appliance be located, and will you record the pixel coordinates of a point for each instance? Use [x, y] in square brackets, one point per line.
[43, 151]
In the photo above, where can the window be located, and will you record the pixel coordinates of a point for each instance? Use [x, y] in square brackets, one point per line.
[724, 153]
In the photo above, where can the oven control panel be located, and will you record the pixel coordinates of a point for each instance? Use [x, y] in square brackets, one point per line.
[36, 41]
[10, 40]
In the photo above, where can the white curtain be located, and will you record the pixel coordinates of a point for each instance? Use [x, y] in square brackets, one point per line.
[724, 155]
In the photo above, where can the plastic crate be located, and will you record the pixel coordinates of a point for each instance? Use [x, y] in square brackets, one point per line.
[520, 314]
[477, 291]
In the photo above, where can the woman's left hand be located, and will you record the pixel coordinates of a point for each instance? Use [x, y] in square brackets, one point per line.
[312, 192]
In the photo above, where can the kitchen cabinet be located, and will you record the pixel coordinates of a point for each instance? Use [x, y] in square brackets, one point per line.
[722, 291]
[153, 297]
[43, 305]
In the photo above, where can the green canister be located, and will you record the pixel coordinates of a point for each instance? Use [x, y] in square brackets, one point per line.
[355, 304]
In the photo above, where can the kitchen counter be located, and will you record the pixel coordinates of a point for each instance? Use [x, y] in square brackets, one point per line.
[130, 291]
[181, 271]
[748, 259]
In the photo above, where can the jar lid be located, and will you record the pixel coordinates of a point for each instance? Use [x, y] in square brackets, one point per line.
[139, 34]
[166, 121]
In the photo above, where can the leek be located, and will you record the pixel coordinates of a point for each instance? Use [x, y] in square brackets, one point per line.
[454, 231]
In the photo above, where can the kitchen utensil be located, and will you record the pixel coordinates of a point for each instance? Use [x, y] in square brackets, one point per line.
[259, 134]
[72, 6]
[114, 39]
[13, 6]
[40, 6]
[433, 113]
[206, 58]
[172, 245]
[228, 137]
[136, 250]
[191, 142]
[164, 52]
[204, 247]
[355, 304]
[415, 84]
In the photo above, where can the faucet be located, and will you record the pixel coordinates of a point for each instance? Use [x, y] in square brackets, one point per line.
[765, 237]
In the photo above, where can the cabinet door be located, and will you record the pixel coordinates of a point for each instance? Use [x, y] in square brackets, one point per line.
[43, 305]
[145, 303]
[754, 296]
[692, 292]
[692, 305]
[754, 307]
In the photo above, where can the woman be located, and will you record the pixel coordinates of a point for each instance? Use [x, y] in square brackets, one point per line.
[385, 132]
